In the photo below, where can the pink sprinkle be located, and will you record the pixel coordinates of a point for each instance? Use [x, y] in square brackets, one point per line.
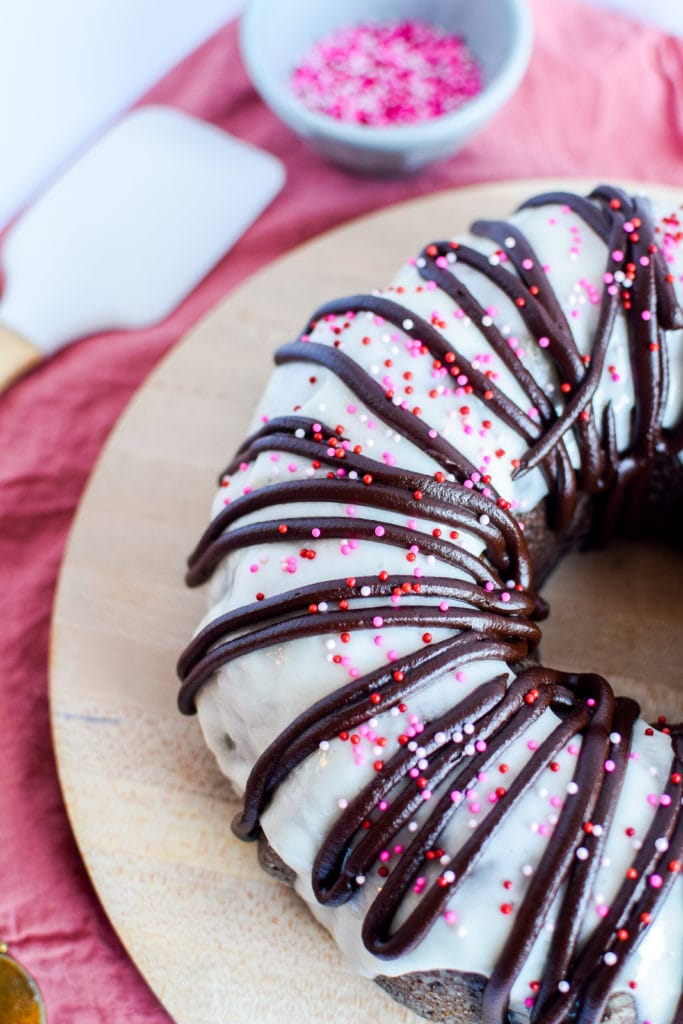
[379, 531]
[609, 765]
[387, 74]
[646, 315]
[315, 532]
[450, 917]
[656, 881]
[617, 255]
[544, 342]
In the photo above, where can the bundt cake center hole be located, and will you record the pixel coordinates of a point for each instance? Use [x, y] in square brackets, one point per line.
[619, 612]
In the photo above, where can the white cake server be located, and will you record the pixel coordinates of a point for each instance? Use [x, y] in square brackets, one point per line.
[127, 232]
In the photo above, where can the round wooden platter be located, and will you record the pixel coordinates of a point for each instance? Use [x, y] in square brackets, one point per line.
[216, 938]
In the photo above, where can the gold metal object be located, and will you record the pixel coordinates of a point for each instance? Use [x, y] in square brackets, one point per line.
[21, 1001]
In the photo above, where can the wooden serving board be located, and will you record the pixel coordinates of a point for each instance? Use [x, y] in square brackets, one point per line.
[215, 937]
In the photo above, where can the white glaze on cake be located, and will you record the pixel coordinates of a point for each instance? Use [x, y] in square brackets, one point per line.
[254, 697]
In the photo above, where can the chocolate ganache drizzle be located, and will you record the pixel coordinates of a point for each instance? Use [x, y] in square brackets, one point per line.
[483, 594]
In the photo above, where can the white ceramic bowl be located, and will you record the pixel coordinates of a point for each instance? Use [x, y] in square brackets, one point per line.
[276, 34]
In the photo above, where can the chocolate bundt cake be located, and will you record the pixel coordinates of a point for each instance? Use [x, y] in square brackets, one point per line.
[488, 838]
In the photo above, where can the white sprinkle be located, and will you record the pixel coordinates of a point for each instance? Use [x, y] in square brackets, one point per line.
[582, 853]
[407, 324]
[494, 260]
[486, 321]
[610, 959]
[324, 744]
[412, 746]
[366, 591]
[323, 606]
[527, 871]
[330, 645]
[597, 830]
[342, 804]
[360, 879]
[469, 750]
[484, 520]
[423, 764]
[449, 876]
[615, 738]
[468, 729]
[412, 827]
[440, 738]
[421, 262]
[661, 845]
[299, 432]
[563, 986]
[572, 788]
[510, 242]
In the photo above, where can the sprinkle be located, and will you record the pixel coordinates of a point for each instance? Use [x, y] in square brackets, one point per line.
[387, 74]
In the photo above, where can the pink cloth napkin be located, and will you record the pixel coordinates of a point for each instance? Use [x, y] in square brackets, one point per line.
[602, 98]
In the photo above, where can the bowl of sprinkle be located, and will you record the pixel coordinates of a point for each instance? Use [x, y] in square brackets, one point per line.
[385, 87]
